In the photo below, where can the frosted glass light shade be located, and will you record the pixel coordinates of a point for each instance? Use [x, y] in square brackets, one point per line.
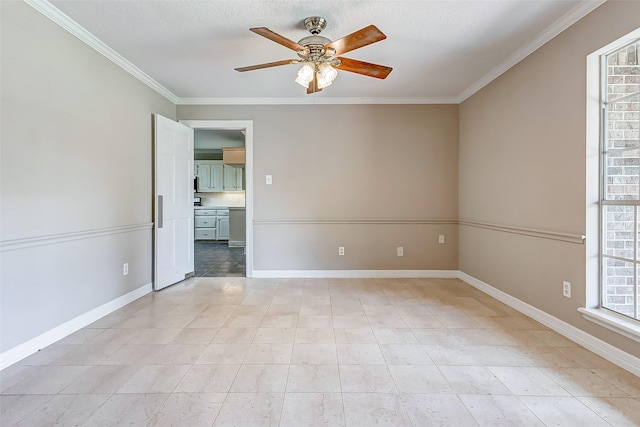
[305, 75]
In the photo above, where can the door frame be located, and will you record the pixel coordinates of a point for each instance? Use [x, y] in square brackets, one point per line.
[247, 127]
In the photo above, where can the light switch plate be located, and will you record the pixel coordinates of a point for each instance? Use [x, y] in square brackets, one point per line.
[269, 179]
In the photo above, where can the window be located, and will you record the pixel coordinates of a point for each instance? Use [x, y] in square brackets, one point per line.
[620, 189]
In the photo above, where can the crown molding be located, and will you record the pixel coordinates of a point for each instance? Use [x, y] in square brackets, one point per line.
[312, 101]
[570, 18]
[53, 13]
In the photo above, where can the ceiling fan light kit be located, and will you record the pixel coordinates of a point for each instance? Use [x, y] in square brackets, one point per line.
[318, 54]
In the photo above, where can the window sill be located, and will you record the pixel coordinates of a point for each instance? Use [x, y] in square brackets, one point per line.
[617, 323]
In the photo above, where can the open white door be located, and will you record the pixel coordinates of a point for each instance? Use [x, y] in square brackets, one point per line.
[173, 204]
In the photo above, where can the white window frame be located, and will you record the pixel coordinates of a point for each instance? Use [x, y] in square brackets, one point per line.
[593, 309]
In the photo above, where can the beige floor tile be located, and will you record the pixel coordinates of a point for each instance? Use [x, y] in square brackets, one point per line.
[359, 321]
[283, 309]
[153, 335]
[65, 410]
[315, 321]
[244, 321]
[223, 354]
[46, 379]
[394, 336]
[251, 409]
[177, 354]
[314, 336]
[208, 379]
[279, 321]
[315, 310]
[419, 379]
[189, 409]
[312, 410]
[260, 379]
[235, 336]
[548, 357]
[473, 380]
[562, 411]
[101, 379]
[586, 358]
[132, 354]
[359, 354]
[552, 338]
[620, 378]
[313, 379]
[422, 321]
[238, 351]
[452, 354]
[155, 379]
[386, 321]
[314, 354]
[524, 381]
[274, 336]
[366, 379]
[15, 408]
[583, 382]
[128, 410]
[617, 411]
[355, 336]
[405, 354]
[497, 355]
[269, 354]
[209, 321]
[497, 410]
[374, 409]
[476, 337]
[48, 355]
[437, 410]
[195, 336]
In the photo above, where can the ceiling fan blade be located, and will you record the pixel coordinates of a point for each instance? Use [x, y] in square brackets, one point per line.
[267, 65]
[365, 68]
[313, 85]
[265, 32]
[360, 38]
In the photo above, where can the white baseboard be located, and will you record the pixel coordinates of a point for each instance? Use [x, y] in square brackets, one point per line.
[26, 349]
[355, 274]
[613, 354]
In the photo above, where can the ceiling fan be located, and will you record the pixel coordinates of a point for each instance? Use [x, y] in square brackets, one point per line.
[320, 55]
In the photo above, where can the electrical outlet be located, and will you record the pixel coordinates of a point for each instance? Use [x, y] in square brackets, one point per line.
[341, 250]
[400, 251]
[125, 268]
[269, 179]
[566, 289]
[441, 238]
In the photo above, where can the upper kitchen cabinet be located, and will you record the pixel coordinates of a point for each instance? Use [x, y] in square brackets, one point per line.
[210, 175]
[233, 179]
[234, 156]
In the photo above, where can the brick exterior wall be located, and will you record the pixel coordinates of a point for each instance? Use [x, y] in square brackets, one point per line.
[622, 175]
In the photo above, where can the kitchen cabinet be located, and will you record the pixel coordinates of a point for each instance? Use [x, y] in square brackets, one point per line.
[205, 222]
[234, 156]
[211, 224]
[210, 174]
[223, 228]
[233, 178]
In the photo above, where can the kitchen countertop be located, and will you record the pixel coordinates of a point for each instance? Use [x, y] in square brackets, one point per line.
[211, 207]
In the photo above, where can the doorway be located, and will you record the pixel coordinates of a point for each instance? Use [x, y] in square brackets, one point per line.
[225, 257]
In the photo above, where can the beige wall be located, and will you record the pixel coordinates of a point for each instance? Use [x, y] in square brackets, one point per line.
[76, 158]
[377, 164]
[522, 164]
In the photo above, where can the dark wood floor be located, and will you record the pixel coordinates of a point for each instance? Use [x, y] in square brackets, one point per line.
[217, 259]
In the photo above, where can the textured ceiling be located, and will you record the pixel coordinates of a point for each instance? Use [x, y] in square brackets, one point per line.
[439, 50]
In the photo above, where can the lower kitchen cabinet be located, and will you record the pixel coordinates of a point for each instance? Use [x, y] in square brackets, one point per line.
[211, 224]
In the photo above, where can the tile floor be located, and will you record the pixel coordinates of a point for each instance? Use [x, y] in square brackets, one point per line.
[354, 352]
[217, 259]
